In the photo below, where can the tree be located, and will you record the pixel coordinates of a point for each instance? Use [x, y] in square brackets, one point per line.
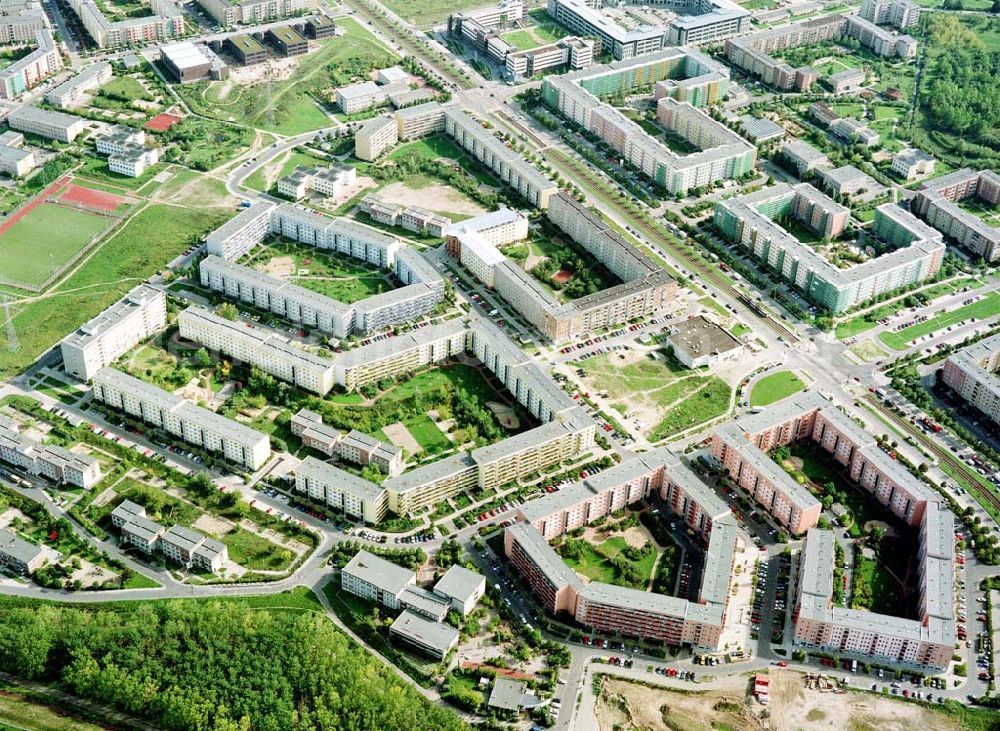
[201, 358]
[229, 311]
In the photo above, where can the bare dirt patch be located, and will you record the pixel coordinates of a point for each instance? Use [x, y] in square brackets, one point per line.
[506, 415]
[91, 575]
[211, 524]
[10, 515]
[627, 705]
[795, 707]
[401, 437]
[436, 197]
[279, 266]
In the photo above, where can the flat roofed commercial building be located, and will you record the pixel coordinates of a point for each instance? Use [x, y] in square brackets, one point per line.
[203, 428]
[287, 41]
[16, 162]
[699, 342]
[376, 579]
[359, 97]
[462, 587]
[108, 336]
[41, 122]
[247, 49]
[258, 346]
[188, 62]
[429, 637]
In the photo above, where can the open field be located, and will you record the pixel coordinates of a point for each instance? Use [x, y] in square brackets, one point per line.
[17, 713]
[988, 306]
[429, 12]
[44, 240]
[343, 278]
[144, 245]
[663, 396]
[774, 387]
[296, 99]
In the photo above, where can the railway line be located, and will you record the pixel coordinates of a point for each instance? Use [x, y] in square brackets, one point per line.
[657, 235]
[982, 494]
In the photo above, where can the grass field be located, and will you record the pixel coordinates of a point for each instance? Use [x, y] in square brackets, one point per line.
[595, 560]
[126, 87]
[295, 101]
[253, 552]
[343, 278]
[535, 35]
[429, 12]
[160, 506]
[666, 397]
[775, 387]
[144, 245]
[988, 306]
[427, 434]
[19, 714]
[258, 180]
[44, 240]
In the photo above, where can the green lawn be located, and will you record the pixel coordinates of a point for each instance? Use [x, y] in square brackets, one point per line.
[160, 506]
[151, 238]
[295, 102]
[256, 553]
[429, 12]
[97, 168]
[775, 387]
[987, 307]
[19, 714]
[427, 434]
[343, 278]
[707, 403]
[45, 239]
[258, 180]
[595, 561]
[126, 87]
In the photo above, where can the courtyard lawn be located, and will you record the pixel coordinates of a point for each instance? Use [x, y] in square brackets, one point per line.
[151, 238]
[44, 240]
[986, 307]
[342, 278]
[127, 88]
[596, 562]
[427, 433]
[774, 387]
[819, 469]
[430, 148]
[253, 552]
[160, 506]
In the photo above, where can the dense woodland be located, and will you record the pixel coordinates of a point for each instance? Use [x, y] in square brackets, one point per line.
[213, 666]
[964, 96]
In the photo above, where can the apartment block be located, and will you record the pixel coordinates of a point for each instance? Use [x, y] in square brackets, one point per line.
[804, 157]
[937, 203]
[341, 490]
[237, 236]
[51, 461]
[167, 21]
[259, 346]
[108, 336]
[897, 13]
[19, 21]
[27, 72]
[374, 578]
[412, 218]
[419, 121]
[330, 181]
[880, 41]
[910, 163]
[183, 546]
[15, 161]
[71, 92]
[389, 358]
[571, 52]
[742, 447]
[172, 414]
[375, 137]
[926, 642]
[227, 13]
[683, 80]
[749, 222]
[359, 97]
[508, 166]
[971, 373]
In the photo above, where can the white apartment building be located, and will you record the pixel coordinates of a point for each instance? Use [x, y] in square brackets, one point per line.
[228, 13]
[27, 72]
[376, 579]
[237, 236]
[71, 92]
[119, 139]
[376, 137]
[104, 339]
[254, 344]
[419, 121]
[16, 162]
[329, 181]
[134, 160]
[341, 490]
[203, 428]
[359, 97]
[56, 463]
[910, 163]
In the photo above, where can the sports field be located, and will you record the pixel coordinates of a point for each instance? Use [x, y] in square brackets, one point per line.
[988, 306]
[44, 240]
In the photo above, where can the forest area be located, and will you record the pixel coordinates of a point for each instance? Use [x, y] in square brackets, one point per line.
[213, 666]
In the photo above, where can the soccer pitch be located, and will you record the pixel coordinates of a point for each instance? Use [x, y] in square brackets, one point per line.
[45, 239]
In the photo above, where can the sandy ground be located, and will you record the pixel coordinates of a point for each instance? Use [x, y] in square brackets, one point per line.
[505, 414]
[435, 197]
[10, 515]
[90, 575]
[627, 705]
[279, 266]
[210, 524]
[795, 707]
[401, 437]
